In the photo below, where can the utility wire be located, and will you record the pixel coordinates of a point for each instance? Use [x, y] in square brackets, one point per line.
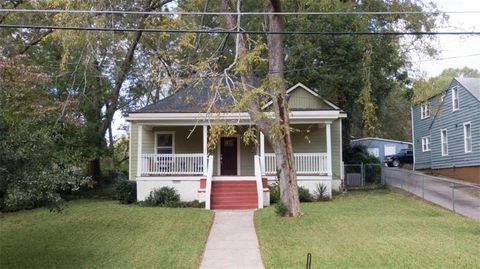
[221, 31]
[177, 13]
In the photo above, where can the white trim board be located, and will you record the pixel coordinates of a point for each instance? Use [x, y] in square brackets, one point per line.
[233, 178]
[299, 84]
[304, 178]
[169, 178]
[243, 117]
[381, 139]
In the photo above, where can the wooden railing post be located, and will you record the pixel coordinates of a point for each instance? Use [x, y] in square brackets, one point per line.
[139, 150]
[258, 179]
[329, 148]
[208, 187]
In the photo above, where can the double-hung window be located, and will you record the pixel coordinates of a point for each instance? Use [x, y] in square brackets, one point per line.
[467, 136]
[455, 99]
[425, 110]
[444, 140]
[164, 143]
[426, 143]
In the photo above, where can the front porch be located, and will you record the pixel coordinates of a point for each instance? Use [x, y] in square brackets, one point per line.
[178, 156]
[178, 151]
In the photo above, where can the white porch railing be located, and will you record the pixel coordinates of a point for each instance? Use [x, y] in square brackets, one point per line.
[305, 163]
[172, 164]
[208, 187]
[258, 179]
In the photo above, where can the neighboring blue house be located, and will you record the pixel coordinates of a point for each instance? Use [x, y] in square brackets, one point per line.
[446, 131]
[380, 147]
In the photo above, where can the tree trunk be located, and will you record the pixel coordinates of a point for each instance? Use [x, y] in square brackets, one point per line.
[94, 169]
[277, 130]
[283, 146]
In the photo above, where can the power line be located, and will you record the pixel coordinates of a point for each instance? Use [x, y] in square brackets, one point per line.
[221, 31]
[178, 13]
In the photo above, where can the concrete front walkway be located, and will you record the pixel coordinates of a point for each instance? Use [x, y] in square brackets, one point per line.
[232, 242]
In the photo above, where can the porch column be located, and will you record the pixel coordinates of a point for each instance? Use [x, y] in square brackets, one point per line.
[262, 153]
[205, 149]
[139, 150]
[328, 130]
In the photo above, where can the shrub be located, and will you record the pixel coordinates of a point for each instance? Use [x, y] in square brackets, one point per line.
[358, 154]
[304, 195]
[274, 192]
[188, 204]
[125, 191]
[280, 209]
[321, 192]
[165, 196]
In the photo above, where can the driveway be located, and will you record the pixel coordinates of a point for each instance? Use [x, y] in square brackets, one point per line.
[460, 197]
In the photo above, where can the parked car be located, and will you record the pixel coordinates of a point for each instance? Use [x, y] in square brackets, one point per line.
[402, 157]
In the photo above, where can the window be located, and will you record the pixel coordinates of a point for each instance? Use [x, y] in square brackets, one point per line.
[374, 152]
[467, 136]
[425, 111]
[444, 140]
[390, 150]
[455, 99]
[426, 143]
[164, 143]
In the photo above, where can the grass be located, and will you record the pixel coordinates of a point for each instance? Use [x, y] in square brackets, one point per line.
[376, 229]
[104, 234]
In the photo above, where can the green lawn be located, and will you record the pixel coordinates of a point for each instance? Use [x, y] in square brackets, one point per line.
[104, 234]
[377, 229]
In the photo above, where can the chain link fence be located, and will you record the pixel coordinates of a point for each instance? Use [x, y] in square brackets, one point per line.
[362, 175]
[460, 197]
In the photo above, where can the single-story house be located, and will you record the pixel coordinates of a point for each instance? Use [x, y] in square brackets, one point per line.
[168, 147]
[381, 147]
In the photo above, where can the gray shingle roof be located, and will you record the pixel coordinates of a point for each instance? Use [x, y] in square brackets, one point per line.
[471, 84]
[196, 97]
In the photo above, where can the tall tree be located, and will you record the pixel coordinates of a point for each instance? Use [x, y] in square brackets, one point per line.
[276, 129]
[426, 88]
[97, 69]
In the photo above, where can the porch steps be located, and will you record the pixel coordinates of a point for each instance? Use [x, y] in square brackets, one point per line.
[234, 195]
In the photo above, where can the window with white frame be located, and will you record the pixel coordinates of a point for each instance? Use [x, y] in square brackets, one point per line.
[374, 152]
[164, 143]
[455, 99]
[444, 140]
[426, 143]
[467, 136]
[425, 111]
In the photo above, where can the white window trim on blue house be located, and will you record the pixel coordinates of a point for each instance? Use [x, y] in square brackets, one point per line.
[426, 143]
[455, 99]
[444, 141]
[467, 140]
[424, 111]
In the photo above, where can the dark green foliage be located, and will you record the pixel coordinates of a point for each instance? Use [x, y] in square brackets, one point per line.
[321, 192]
[274, 192]
[186, 204]
[125, 191]
[358, 154]
[169, 197]
[280, 209]
[304, 195]
[164, 196]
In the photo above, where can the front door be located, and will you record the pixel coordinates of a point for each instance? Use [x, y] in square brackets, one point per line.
[228, 156]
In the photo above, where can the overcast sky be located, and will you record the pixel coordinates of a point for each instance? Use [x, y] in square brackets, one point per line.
[455, 51]
[455, 47]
